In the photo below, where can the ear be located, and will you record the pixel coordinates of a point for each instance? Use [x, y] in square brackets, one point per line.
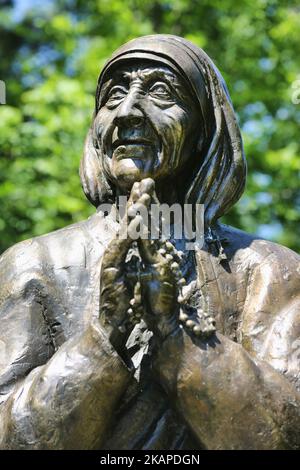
[94, 184]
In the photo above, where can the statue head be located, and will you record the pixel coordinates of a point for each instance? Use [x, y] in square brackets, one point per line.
[163, 111]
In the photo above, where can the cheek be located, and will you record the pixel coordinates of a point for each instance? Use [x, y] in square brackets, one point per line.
[174, 125]
[103, 124]
[176, 133]
[102, 127]
[181, 119]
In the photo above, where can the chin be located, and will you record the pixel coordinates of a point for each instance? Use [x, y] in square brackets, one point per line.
[128, 171]
[126, 180]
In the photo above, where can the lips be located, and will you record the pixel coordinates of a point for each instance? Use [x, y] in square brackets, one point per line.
[135, 142]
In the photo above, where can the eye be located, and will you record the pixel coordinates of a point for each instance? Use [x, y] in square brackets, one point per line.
[160, 90]
[116, 93]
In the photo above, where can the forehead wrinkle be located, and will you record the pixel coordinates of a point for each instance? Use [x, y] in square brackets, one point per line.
[148, 73]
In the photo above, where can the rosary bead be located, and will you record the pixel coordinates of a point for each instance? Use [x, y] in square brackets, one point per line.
[183, 316]
[190, 323]
[169, 246]
[197, 330]
[175, 266]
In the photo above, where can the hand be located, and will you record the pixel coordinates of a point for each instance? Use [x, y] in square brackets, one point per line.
[160, 274]
[115, 291]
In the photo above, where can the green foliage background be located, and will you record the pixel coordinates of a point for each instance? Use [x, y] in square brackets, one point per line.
[51, 53]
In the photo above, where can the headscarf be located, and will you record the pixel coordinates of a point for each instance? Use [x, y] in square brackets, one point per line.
[219, 172]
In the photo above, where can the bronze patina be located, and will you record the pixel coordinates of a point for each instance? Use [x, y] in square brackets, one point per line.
[113, 343]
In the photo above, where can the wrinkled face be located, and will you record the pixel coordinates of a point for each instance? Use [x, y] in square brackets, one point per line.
[146, 125]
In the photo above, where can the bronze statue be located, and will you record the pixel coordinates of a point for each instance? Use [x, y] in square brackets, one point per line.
[113, 343]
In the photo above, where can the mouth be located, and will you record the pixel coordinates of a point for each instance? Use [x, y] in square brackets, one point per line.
[132, 142]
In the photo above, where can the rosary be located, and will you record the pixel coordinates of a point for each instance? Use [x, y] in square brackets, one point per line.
[191, 316]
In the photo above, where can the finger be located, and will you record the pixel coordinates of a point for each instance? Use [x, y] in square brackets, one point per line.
[142, 203]
[115, 253]
[109, 275]
[148, 252]
[145, 199]
[117, 249]
[147, 185]
[137, 196]
[135, 228]
[135, 205]
[134, 193]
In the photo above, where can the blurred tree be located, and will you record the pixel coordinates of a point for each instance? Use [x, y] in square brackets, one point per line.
[51, 53]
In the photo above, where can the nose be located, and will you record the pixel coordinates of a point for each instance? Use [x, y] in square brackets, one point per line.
[129, 115]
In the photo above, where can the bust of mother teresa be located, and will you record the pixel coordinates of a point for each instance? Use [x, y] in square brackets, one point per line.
[108, 342]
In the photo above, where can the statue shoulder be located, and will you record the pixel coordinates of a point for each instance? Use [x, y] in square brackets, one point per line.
[269, 272]
[61, 247]
[255, 252]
